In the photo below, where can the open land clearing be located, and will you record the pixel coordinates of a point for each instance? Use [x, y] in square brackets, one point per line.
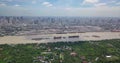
[60, 37]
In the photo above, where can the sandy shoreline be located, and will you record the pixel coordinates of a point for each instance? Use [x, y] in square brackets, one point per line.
[83, 37]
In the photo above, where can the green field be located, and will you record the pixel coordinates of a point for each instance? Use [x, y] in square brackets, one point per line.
[105, 51]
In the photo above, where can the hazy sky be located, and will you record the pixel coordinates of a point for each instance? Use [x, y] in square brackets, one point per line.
[107, 8]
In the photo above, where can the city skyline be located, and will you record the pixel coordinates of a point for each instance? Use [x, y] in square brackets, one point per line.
[92, 8]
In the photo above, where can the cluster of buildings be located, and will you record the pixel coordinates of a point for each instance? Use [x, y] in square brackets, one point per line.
[50, 25]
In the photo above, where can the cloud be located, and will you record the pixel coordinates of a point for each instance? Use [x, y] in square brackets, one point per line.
[6, 0]
[34, 2]
[68, 9]
[17, 5]
[47, 4]
[3, 4]
[90, 1]
[100, 4]
[9, 0]
[60, 8]
[118, 3]
[112, 2]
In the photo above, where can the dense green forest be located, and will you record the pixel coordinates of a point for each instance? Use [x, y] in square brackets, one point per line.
[105, 51]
